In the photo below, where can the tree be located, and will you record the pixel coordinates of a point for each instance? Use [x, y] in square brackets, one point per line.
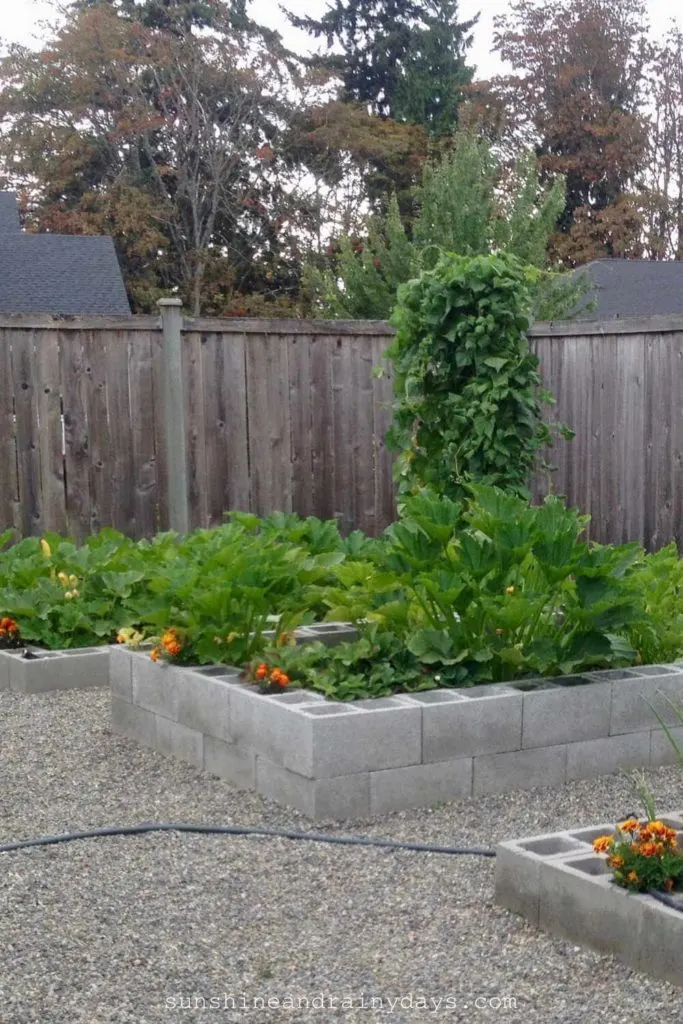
[664, 211]
[467, 203]
[404, 59]
[578, 84]
[178, 16]
[169, 141]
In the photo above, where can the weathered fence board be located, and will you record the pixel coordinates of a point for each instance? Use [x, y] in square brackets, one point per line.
[290, 415]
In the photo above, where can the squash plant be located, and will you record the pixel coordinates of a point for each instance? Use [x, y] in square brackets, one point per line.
[491, 589]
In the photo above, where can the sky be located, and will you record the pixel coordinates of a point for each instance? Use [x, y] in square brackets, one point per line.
[20, 23]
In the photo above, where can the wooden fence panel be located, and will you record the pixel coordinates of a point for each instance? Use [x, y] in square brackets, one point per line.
[289, 415]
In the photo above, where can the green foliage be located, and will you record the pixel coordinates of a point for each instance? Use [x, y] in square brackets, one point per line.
[220, 588]
[467, 402]
[377, 665]
[466, 204]
[455, 593]
[493, 589]
[404, 59]
[369, 274]
[660, 580]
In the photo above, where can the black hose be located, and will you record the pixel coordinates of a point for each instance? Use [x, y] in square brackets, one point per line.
[237, 830]
[666, 899]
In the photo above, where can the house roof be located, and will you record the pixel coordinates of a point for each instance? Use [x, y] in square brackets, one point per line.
[71, 275]
[628, 288]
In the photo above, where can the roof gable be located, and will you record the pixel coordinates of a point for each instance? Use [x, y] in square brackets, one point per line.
[68, 275]
[627, 288]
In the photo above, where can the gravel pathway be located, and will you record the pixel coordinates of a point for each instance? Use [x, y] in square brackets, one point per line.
[192, 928]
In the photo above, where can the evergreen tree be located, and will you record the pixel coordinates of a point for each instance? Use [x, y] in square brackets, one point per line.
[468, 204]
[405, 59]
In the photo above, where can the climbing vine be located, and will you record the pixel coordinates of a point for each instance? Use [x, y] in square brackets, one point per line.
[468, 393]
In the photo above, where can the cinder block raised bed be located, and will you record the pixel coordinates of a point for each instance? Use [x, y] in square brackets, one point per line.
[338, 760]
[559, 885]
[43, 671]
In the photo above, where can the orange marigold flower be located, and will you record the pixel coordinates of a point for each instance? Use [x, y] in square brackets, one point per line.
[632, 877]
[615, 862]
[650, 849]
[275, 675]
[261, 671]
[282, 680]
[630, 825]
[603, 843]
[155, 654]
[174, 649]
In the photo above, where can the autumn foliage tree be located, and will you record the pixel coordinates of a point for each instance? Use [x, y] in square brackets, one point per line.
[577, 90]
[664, 196]
[168, 141]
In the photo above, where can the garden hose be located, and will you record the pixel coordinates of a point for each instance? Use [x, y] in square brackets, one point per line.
[238, 830]
[272, 833]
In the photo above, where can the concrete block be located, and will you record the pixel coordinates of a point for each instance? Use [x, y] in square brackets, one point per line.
[566, 715]
[121, 672]
[228, 761]
[303, 697]
[285, 787]
[473, 726]
[346, 796]
[613, 674]
[578, 902]
[5, 662]
[420, 785]
[571, 895]
[178, 741]
[516, 886]
[283, 735]
[133, 722]
[364, 741]
[631, 711]
[329, 633]
[156, 685]
[659, 947]
[60, 670]
[520, 769]
[528, 685]
[242, 699]
[321, 799]
[608, 755]
[662, 751]
[202, 704]
[444, 696]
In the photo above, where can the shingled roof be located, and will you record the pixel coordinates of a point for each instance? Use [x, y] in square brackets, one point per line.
[628, 288]
[70, 275]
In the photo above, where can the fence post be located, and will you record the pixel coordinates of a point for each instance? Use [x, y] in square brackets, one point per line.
[174, 413]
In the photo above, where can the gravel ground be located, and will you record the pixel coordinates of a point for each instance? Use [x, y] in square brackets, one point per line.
[141, 930]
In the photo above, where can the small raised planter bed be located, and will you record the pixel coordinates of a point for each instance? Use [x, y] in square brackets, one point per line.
[32, 670]
[561, 886]
[334, 760]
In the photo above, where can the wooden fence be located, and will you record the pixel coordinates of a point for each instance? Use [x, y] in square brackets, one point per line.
[142, 423]
[269, 415]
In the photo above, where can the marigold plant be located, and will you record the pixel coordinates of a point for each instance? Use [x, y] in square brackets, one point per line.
[643, 856]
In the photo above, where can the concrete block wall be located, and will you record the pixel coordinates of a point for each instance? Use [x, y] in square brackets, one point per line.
[561, 886]
[54, 670]
[335, 760]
